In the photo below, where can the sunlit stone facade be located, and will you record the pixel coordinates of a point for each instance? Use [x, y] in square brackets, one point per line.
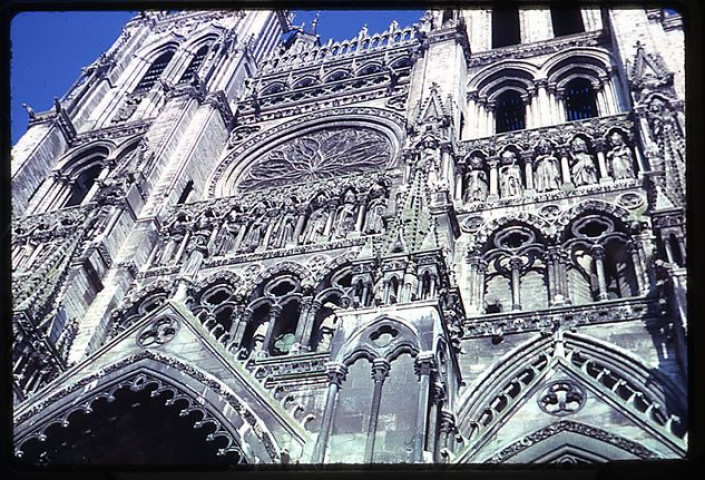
[461, 241]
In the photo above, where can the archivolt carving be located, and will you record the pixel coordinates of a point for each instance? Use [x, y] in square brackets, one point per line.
[569, 426]
[616, 211]
[546, 229]
[137, 379]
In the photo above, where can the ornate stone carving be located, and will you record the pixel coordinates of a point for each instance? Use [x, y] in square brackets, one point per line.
[325, 153]
[476, 186]
[548, 175]
[620, 157]
[158, 332]
[583, 170]
[562, 397]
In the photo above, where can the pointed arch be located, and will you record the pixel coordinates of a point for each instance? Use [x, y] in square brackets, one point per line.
[565, 440]
[200, 391]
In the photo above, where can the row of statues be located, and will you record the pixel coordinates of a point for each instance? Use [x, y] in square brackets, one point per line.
[583, 169]
[245, 232]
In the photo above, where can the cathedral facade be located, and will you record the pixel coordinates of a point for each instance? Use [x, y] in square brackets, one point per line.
[460, 241]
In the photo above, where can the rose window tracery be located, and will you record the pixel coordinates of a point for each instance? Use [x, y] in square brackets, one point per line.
[325, 153]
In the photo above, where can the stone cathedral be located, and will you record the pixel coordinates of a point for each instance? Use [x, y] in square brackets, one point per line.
[459, 241]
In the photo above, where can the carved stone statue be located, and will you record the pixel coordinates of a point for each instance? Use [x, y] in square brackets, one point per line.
[430, 159]
[175, 233]
[315, 225]
[257, 230]
[284, 230]
[374, 222]
[620, 157]
[509, 175]
[548, 175]
[476, 186]
[583, 170]
[345, 216]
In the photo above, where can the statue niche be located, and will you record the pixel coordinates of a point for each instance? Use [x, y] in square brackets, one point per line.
[476, 187]
[548, 175]
[509, 175]
[620, 157]
[346, 217]
[317, 219]
[583, 169]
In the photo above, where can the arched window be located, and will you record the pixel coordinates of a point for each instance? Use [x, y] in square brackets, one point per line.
[580, 100]
[509, 112]
[154, 71]
[505, 26]
[195, 64]
[566, 20]
[82, 186]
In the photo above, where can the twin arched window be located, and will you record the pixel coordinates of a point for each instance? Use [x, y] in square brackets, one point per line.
[154, 71]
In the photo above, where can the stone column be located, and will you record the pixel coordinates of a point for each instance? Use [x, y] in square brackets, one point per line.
[560, 103]
[600, 146]
[424, 367]
[364, 298]
[481, 118]
[380, 371]
[515, 264]
[598, 254]
[490, 125]
[245, 318]
[555, 277]
[360, 220]
[308, 326]
[527, 158]
[437, 399]
[298, 345]
[544, 102]
[458, 185]
[274, 312]
[473, 110]
[638, 267]
[493, 196]
[473, 263]
[336, 372]
[565, 168]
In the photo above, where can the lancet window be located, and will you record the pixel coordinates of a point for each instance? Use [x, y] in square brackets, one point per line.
[154, 71]
[194, 64]
[566, 19]
[580, 100]
[505, 26]
[509, 112]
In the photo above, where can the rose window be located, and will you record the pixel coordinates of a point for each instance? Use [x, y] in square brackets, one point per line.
[326, 153]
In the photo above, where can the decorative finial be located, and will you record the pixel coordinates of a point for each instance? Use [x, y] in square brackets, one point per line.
[314, 22]
[57, 104]
[30, 111]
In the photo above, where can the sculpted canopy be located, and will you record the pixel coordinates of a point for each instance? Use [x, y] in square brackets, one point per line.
[325, 153]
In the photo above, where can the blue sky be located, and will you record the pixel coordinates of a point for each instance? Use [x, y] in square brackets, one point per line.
[49, 48]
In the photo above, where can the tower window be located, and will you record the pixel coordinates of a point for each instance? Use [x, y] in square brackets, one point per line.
[83, 184]
[566, 20]
[195, 64]
[509, 112]
[505, 26]
[154, 71]
[185, 193]
[580, 100]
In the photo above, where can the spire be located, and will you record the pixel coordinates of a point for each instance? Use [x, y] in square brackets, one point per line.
[413, 225]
